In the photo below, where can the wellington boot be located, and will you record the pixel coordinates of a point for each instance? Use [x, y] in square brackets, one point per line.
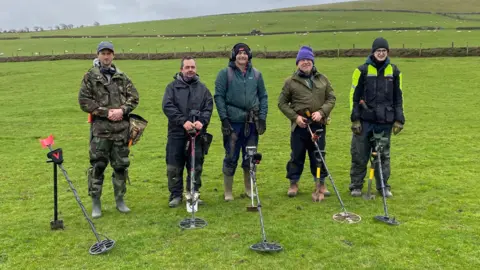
[248, 184]
[96, 208]
[121, 205]
[227, 185]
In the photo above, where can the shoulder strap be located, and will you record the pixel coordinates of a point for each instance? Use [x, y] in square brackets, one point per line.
[229, 75]
[256, 73]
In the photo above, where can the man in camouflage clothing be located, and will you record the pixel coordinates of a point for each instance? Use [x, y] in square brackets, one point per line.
[108, 95]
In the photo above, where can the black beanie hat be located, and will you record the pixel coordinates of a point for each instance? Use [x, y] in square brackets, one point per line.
[380, 43]
[240, 47]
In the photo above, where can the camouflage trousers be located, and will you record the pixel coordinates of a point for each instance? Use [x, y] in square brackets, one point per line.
[103, 151]
[361, 148]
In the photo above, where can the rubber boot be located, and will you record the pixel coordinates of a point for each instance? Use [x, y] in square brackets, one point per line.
[248, 185]
[96, 208]
[121, 205]
[227, 185]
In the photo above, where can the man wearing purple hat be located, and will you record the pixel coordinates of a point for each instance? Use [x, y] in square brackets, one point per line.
[307, 95]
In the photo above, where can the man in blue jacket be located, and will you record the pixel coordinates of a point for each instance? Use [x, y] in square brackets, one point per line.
[242, 104]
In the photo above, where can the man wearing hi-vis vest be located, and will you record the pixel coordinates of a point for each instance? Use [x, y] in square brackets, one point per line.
[376, 104]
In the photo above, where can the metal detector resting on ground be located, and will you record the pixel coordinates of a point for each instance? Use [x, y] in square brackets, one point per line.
[56, 156]
[192, 196]
[263, 246]
[380, 142]
[344, 217]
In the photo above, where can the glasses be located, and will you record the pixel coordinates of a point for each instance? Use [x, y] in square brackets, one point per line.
[381, 51]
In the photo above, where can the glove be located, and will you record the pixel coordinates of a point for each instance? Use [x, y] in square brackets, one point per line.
[261, 126]
[397, 127]
[226, 127]
[356, 127]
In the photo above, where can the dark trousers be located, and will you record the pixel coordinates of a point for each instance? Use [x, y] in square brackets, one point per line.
[361, 148]
[236, 142]
[178, 158]
[301, 143]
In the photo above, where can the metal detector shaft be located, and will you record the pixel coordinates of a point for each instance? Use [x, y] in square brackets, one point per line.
[383, 185]
[326, 168]
[77, 198]
[259, 206]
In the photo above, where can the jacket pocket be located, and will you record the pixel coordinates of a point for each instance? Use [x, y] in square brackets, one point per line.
[367, 115]
[389, 114]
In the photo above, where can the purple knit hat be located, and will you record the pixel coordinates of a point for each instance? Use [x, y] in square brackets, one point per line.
[305, 52]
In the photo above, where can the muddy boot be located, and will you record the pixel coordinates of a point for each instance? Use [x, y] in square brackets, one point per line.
[248, 185]
[175, 202]
[227, 185]
[356, 192]
[292, 190]
[121, 205]
[319, 194]
[327, 192]
[96, 208]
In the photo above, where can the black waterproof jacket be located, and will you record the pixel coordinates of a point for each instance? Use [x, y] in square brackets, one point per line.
[180, 98]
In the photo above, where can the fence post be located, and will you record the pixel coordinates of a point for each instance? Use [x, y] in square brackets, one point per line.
[453, 45]
[174, 52]
[403, 45]
[338, 50]
[467, 48]
[420, 53]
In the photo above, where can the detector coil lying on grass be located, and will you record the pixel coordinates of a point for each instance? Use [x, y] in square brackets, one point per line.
[56, 156]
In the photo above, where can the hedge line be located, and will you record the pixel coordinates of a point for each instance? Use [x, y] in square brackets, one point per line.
[403, 53]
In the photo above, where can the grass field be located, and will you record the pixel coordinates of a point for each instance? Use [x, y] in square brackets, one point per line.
[424, 5]
[266, 22]
[345, 40]
[433, 179]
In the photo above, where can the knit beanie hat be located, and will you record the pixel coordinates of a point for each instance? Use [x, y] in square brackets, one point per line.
[380, 43]
[305, 52]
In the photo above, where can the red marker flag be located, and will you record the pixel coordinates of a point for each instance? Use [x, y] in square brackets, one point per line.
[46, 142]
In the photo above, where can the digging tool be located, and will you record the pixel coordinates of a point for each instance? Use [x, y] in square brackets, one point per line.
[380, 142]
[264, 245]
[192, 196]
[347, 217]
[56, 156]
[369, 195]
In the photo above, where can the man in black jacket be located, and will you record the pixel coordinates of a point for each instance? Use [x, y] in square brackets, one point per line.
[183, 96]
[376, 104]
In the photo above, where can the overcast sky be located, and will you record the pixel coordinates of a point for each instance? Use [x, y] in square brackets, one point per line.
[17, 14]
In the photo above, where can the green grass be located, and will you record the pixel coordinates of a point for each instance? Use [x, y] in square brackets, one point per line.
[267, 22]
[434, 179]
[424, 5]
[345, 40]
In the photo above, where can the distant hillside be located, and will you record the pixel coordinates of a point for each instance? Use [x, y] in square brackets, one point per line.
[454, 6]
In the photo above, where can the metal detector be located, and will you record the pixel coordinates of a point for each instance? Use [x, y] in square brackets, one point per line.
[343, 217]
[192, 196]
[263, 246]
[56, 156]
[380, 142]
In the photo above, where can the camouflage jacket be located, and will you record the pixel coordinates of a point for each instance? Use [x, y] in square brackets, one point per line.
[97, 95]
